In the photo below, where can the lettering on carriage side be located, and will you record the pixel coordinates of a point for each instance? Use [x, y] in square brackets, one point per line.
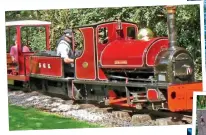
[44, 65]
[39, 65]
[49, 66]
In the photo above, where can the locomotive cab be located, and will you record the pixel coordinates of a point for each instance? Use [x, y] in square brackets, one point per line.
[97, 39]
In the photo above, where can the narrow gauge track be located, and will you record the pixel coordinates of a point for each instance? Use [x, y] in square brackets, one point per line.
[183, 117]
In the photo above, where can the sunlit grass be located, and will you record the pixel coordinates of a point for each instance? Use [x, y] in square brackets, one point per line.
[201, 102]
[32, 119]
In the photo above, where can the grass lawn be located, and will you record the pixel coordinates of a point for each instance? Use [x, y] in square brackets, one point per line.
[32, 119]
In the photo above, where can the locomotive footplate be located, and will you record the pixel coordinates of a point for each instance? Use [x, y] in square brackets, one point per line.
[129, 84]
[52, 78]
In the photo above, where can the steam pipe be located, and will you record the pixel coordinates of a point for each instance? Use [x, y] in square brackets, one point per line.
[171, 10]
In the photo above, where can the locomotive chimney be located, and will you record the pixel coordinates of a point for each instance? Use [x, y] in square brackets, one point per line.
[171, 10]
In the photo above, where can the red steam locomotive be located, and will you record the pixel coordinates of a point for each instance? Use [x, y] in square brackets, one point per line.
[119, 70]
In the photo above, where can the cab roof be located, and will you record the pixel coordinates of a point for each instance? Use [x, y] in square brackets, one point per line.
[27, 23]
[104, 22]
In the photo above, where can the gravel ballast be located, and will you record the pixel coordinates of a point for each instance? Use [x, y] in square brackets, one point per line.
[84, 112]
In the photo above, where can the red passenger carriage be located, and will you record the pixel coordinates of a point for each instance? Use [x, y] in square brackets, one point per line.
[23, 57]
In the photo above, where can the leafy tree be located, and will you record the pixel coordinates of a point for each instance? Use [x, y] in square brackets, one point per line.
[153, 17]
[201, 101]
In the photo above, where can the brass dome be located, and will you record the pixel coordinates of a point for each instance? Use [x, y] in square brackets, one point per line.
[145, 34]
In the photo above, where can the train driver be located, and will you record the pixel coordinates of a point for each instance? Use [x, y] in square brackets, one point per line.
[64, 50]
[25, 49]
[64, 46]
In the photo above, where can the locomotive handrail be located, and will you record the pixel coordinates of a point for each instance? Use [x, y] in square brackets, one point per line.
[132, 79]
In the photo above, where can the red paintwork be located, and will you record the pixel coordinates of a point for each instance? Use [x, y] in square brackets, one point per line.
[101, 75]
[27, 64]
[125, 26]
[24, 65]
[112, 35]
[48, 66]
[47, 32]
[112, 101]
[154, 49]
[131, 52]
[152, 95]
[111, 94]
[23, 58]
[183, 99]
[88, 55]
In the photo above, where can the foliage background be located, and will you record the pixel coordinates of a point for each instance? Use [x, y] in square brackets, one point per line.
[201, 102]
[154, 17]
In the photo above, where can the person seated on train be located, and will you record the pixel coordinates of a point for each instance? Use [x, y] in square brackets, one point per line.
[13, 51]
[64, 50]
[14, 55]
[25, 49]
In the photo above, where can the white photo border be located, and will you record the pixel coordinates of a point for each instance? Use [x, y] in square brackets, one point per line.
[11, 5]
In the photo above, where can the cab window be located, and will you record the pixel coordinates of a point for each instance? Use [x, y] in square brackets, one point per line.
[103, 35]
[131, 32]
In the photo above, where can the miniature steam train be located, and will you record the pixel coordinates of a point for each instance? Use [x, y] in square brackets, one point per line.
[121, 71]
